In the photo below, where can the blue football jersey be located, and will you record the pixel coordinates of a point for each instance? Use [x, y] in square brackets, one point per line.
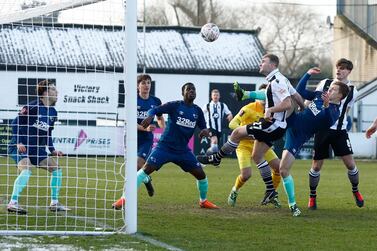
[33, 126]
[181, 124]
[314, 117]
[143, 105]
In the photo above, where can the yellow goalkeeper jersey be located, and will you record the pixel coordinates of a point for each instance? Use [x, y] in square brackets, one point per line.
[248, 114]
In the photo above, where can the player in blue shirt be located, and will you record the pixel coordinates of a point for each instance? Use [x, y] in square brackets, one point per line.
[184, 117]
[31, 134]
[144, 135]
[321, 113]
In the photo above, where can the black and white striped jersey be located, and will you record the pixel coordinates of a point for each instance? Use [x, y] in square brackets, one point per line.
[347, 102]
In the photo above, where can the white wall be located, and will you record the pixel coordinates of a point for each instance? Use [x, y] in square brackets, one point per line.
[168, 88]
[365, 110]
[362, 147]
[105, 87]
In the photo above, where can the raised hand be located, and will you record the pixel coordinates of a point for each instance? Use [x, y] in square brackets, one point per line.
[314, 70]
[326, 99]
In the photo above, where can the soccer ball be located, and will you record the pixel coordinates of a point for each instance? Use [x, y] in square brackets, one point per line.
[210, 32]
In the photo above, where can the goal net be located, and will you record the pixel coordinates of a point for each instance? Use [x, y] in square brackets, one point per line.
[79, 47]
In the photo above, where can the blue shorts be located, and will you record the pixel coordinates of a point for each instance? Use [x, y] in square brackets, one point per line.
[185, 160]
[35, 155]
[144, 149]
[295, 139]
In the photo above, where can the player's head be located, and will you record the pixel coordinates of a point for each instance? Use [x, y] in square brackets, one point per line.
[268, 63]
[189, 92]
[215, 95]
[46, 91]
[343, 69]
[338, 91]
[144, 82]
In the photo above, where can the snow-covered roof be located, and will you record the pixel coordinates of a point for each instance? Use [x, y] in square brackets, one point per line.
[167, 49]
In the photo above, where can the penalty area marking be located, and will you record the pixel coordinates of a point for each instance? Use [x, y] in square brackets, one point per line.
[156, 242]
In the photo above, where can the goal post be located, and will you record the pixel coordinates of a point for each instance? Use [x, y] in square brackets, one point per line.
[94, 69]
[130, 72]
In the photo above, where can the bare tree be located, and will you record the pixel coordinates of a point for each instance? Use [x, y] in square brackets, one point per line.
[196, 12]
[292, 32]
[156, 15]
[50, 18]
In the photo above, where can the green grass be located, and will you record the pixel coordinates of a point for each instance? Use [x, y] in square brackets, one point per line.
[174, 217]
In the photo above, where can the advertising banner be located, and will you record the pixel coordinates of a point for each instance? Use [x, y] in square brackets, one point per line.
[89, 140]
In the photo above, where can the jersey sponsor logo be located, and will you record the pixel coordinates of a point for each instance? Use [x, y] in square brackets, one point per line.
[185, 122]
[41, 125]
[180, 112]
[314, 108]
[142, 114]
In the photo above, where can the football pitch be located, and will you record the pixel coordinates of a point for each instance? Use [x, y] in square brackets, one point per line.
[173, 216]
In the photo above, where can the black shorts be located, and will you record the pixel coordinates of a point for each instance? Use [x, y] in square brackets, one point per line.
[265, 131]
[337, 139]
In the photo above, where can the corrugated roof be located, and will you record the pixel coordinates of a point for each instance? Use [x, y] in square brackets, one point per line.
[167, 49]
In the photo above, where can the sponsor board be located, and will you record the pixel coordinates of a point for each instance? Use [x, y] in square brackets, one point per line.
[87, 140]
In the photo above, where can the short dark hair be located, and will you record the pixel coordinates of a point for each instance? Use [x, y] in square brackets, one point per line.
[215, 90]
[273, 58]
[343, 88]
[43, 86]
[143, 77]
[184, 86]
[344, 63]
[262, 86]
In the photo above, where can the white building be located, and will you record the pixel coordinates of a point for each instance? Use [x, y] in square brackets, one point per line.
[86, 62]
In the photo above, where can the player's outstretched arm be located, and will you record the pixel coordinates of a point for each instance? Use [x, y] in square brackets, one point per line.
[301, 87]
[372, 129]
[241, 94]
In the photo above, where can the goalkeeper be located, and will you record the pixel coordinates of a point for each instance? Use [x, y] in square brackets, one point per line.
[31, 131]
[249, 114]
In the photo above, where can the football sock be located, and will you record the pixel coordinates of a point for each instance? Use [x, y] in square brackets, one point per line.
[289, 187]
[141, 176]
[203, 188]
[239, 183]
[20, 183]
[226, 149]
[276, 178]
[56, 183]
[314, 177]
[353, 176]
[147, 179]
[265, 172]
